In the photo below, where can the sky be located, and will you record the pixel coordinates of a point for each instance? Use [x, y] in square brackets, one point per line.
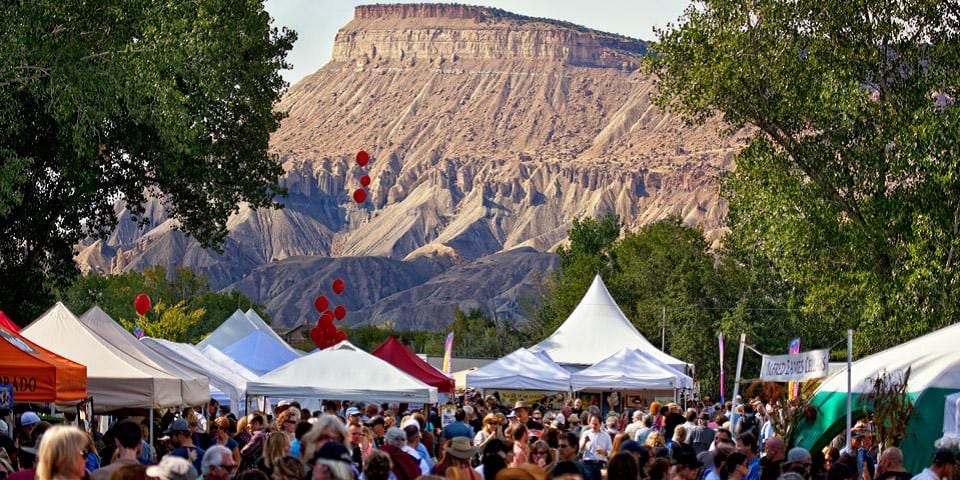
[317, 21]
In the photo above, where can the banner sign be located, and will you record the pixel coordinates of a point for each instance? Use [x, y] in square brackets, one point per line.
[447, 353]
[802, 366]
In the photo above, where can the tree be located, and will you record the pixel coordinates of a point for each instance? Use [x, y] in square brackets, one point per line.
[125, 100]
[849, 182]
[184, 307]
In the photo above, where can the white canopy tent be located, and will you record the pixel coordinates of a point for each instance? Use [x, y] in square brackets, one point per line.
[194, 385]
[115, 380]
[342, 372]
[236, 327]
[596, 328]
[521, 370]
[222, 359]
[630, 369]
[222, 380]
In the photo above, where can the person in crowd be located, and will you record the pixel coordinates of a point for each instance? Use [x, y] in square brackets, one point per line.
[655, 440]
[736, 467]
[25, 438]
[701, 436]
[90, 454]
[612, 424]
[172, 468]
[687, 467]
[302, 428]
[842, 471]
[491, 430]
[61, 454]
[220, 433]
[678, 445]
[357, 447]
[331, 461]
[942, 466]
[521, 444]
[798, 461]
[497, 454]
[471, 418]
[378, 427]
[567, 471]
[130, 472]
[218, 463]
[181, 439]
[253, 449]
[353, 416]
[573, 420]
[148, 453]
[287, 468]
[377, 466]
[287, 423]
[748, 423]
[747, 445]
[414, 445]
[127, 438]
[644, 431]
[7, 445]
[672, 419]
[618, 438]
[639, 452]
[890, 466]
[720, 456]
[595, 445]
[327, 429]
[405, 465]
[623, 466]
[723, 437]
[458, 428]
[458, 456]
[275, 449]
[542, 456]
[775, 452]
[635, 425]
[690, 421]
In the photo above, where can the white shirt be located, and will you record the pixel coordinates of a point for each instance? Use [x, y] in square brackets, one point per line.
[590, 441]
[424, 468]
[926, 474]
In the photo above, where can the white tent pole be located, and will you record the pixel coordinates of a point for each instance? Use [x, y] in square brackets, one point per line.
[849, 384]
[736, 382]
[151, 427]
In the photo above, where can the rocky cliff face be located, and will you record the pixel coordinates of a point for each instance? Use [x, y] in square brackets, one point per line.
[487, 131]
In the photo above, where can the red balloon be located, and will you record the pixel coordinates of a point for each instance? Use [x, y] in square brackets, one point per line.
[326, 321]
[339, 286]
[365, 180]
[340, 312]
[340, 336]
[362, 158]
[316, 334]
[359, 195]
[321, 303]
[141, 304]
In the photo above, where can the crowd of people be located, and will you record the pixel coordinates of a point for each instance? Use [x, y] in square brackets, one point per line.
[485, 440]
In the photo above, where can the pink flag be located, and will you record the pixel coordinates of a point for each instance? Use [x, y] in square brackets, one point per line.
[722, 399]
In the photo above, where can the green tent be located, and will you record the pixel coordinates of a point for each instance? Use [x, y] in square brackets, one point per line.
[935, 362]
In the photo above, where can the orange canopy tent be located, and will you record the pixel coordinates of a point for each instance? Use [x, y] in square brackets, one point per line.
[398, 355]
[5, 322]
[37, 374]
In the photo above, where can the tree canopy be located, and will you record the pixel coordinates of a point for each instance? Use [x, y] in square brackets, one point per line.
[124, 100]
[849, 186]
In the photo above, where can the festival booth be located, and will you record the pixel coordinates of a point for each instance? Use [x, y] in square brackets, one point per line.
[236, 327]
[194, 386]
[5, 322]
[226, 386]
[115, 379]
[630, 369]
[398, 355]
[594, 330]
[342, 372]
[935, 373]
[260, 352]
[521, 370]
[37, 374]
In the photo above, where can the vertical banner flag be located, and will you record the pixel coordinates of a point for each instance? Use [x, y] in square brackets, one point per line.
[723, 401]
[793, 388]
[447, 353]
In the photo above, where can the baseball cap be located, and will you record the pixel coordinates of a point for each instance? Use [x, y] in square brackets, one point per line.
[29, 418]
[173, 468]
[798, 455]
[178, 425]
[353, 411]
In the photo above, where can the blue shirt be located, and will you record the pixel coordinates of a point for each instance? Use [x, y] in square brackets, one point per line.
[754, 469]
[295, 448]
[194, 454]
[457, 429]
[425, 455]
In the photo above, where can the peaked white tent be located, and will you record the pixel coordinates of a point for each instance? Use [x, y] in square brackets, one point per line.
[630, 369]
[595, 329]
[342, 372]
[186, 356]
[115, 380]
[521, 370]
[238, 326]
[194, 385]
[260, 352]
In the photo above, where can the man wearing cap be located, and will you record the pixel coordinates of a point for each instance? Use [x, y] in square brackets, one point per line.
[217, 464]
[377, 425]
[27, 452]
[595, 444]
[798, 461]
[941, 467]
[182, 441]
[353, 416]
[172, 468]
[405, 466]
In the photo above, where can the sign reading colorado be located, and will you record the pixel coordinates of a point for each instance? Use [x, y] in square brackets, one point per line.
[797, 367]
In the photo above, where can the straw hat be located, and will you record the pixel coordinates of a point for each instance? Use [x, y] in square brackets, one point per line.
[521, 404]
[461, 448]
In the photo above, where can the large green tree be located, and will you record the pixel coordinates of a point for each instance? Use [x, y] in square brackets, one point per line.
[850, 184]
[124, 100]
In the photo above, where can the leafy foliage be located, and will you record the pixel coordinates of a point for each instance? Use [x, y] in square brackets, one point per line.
[892, 406]
[184, 308]
[848, 186]
[128, 100]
